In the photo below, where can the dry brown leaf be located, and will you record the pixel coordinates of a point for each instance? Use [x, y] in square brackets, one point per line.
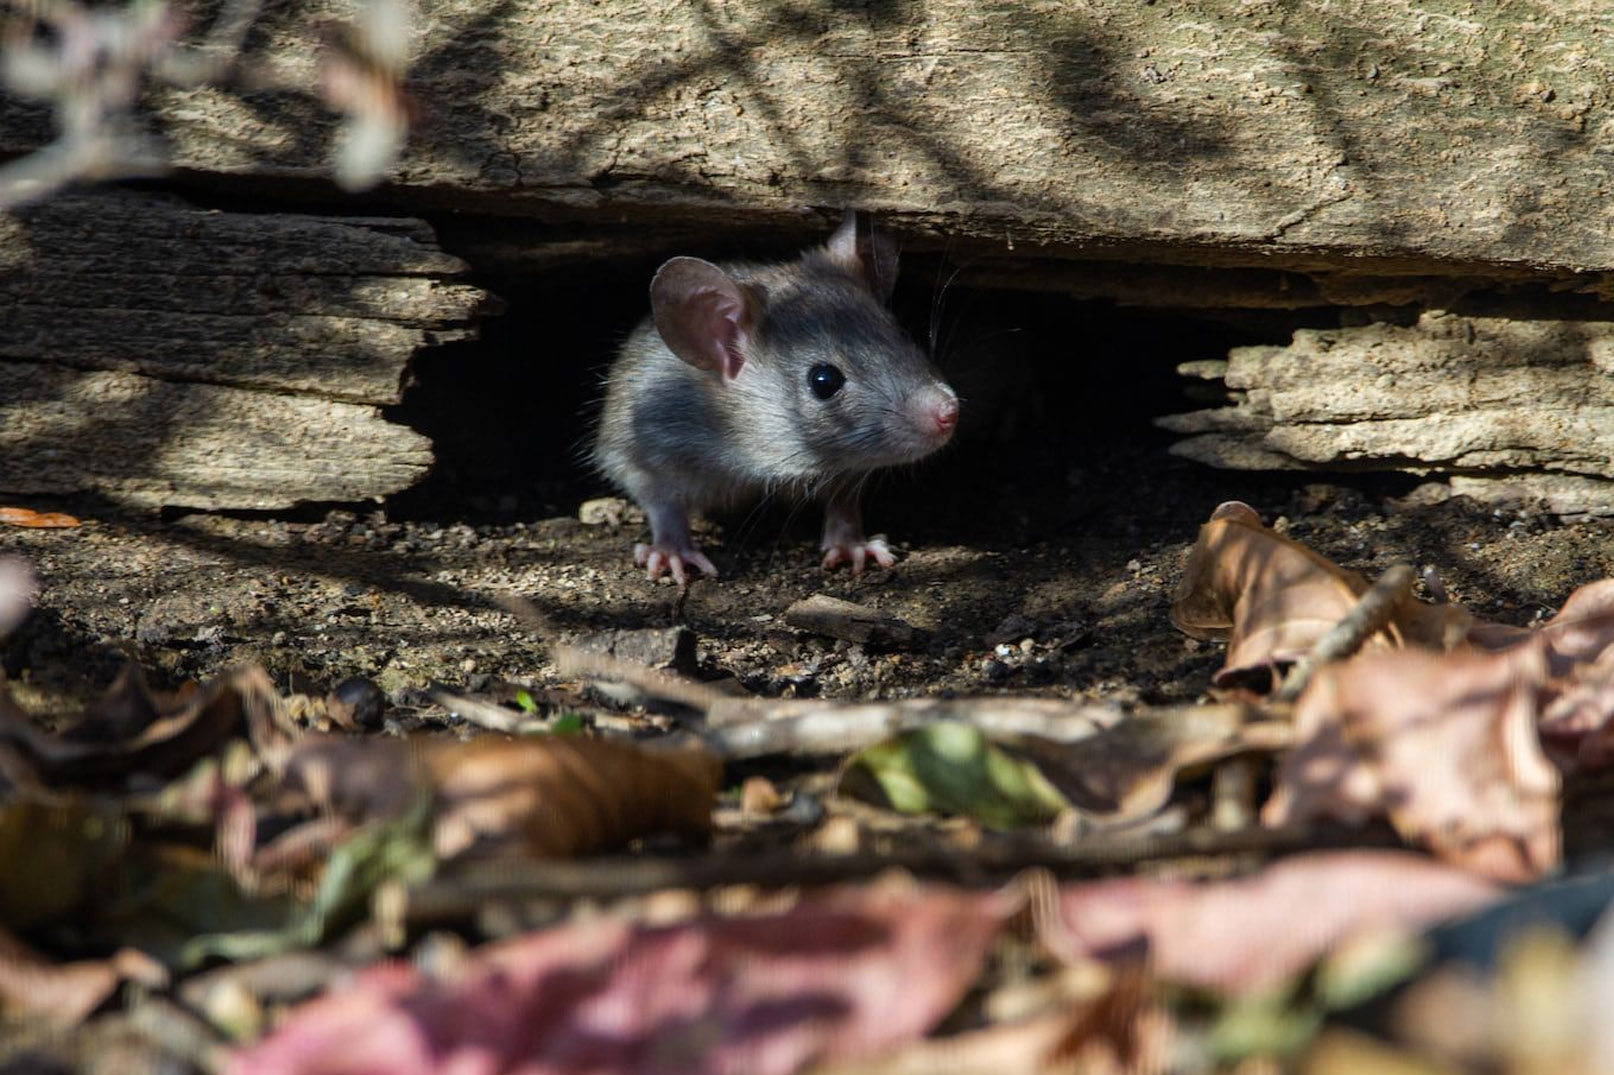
[1272, 598]
[1128, 771]
[132, 737]
[1575, 684]
[64, 994]
[551, 798]
[1444, 745]
[1256, 933]
[1583, 630]
[1125, 1031]
[42, 520]
[1026, 1047]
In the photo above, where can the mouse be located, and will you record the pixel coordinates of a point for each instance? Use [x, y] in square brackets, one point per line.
[751, 379]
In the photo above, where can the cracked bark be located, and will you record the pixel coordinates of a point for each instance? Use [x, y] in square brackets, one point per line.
[1113, 130]
[161, 355]
[1506, 410]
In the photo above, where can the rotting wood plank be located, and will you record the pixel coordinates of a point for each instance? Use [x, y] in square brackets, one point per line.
[1295, 134]
[150, 443]
[1514, 410]
[164, 355]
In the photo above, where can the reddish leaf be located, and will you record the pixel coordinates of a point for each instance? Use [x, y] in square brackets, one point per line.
[832, 979]
[1257, 933]
[1445, 746]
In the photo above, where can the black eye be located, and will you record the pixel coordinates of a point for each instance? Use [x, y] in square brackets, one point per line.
[825, 380]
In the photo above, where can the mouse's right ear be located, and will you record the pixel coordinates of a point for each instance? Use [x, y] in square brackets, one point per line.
[701, 314]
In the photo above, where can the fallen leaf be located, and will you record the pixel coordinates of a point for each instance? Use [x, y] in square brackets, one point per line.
[57, 858]
[549, 797]
[844, 975]
[1444, 745]
[64, 994]
[1129, 770]
[1272, 598]
[1026, 1047]
[43, 520]
[951, 767]
[1124, 1031]
[1256, 934]
[128, 739]
[1583, 630]
[1348, 1052]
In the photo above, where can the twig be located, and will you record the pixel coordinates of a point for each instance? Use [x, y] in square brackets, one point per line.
[1370, 614]
[464, 890]
[753, 728]
[574, 661]
[495, 718]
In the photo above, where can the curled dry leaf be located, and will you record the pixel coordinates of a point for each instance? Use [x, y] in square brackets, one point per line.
[1128, 771]
[1272, 598]
[1256, 934]
[835, 978]
[64, 994]
[1578, 698]
[1444, 745]
[131, 737]
[551, 798]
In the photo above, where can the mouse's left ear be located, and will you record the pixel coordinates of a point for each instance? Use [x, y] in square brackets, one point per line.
[702, 314]
[871, 257]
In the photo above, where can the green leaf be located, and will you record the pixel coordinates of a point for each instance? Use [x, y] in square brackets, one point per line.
[524, 700]
[1361, 969]
[1262, 1026]
[371, 855]
[566, 724]
[951, 767]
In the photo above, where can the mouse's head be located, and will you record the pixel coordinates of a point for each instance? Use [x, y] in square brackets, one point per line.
[821, 379]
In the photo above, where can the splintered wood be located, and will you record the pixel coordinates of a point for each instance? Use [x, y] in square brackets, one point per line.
[162, 355]
[1480, 400]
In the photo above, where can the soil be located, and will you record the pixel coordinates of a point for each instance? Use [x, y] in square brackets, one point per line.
[1038, 554]
[1037, 557]
[1024, 585]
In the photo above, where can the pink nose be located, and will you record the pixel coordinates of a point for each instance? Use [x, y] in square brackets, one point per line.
[945, 415]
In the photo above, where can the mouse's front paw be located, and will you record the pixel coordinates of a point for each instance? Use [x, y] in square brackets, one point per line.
[858, 553]
[658, 558]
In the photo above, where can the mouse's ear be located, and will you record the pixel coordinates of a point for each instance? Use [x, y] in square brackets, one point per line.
[871, 257]
[702, 314]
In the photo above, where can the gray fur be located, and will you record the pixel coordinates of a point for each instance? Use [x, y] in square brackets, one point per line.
[680, 439]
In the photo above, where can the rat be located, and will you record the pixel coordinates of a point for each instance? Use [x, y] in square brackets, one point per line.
[750, 379]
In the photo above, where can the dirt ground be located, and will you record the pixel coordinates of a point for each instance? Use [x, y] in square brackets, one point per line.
[1048, 576]
[1038, 553]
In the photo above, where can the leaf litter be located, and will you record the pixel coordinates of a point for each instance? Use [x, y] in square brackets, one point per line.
[164, 840]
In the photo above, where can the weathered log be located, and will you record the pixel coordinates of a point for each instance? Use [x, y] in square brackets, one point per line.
[1489, 397]
[162, 355]
[1319, 135]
